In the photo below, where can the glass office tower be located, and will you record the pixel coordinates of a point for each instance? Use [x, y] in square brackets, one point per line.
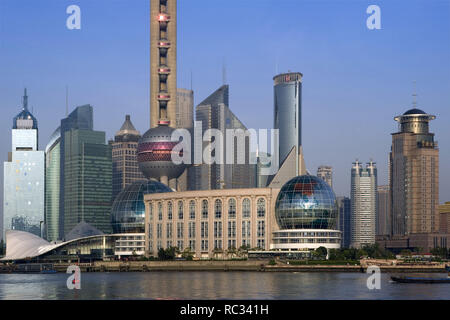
[288, 112]
[344, 210]
[23, 198]
[52, 185]
[85, 173]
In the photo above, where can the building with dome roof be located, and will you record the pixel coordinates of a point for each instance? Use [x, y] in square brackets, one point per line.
[128, 210]
[306, 214]
[124, 157]
[414, 164]
[23, 184]
[414, 186]
[268, 222]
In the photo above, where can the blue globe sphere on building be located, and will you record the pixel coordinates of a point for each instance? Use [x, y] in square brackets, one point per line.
[306, 202]
[128, 209]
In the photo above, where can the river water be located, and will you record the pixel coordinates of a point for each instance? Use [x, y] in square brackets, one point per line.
[215, 285]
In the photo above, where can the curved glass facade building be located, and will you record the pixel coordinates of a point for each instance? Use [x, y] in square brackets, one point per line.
[128, 210]
[306, 202]
[288, 111]
[306, 212]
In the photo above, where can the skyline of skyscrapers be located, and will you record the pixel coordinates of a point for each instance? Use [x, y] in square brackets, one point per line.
[363, 203]
[173, 108]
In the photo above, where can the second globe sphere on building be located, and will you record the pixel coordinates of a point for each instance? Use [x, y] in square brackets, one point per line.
[306, 202]
[128, 210]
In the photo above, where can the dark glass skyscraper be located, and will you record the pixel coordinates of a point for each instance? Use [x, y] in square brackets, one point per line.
[344, 210]
[52, 186]
[86, 173]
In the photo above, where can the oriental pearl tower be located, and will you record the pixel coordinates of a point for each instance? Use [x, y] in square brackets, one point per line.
[155, 146]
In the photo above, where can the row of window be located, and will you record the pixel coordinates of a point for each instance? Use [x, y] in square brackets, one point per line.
[204, 229]
[246, 209]
[204, 245]
[310, 240]
[128, 145]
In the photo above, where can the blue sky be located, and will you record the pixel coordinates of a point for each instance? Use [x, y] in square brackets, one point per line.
[355, 80]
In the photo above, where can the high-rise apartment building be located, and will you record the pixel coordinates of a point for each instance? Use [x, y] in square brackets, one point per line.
[326, 173]
[52, 186]
[364, 204]
[214, 113]
[23, 175]
[163, 62]
[383, 211]
[414, 181]
[344, 211]
[85, 173]
[124, 157]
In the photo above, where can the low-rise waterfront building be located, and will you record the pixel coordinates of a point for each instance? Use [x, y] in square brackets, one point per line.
[209, 223]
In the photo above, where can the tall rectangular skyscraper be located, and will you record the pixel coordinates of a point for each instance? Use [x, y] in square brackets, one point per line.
[185, 120]
[344, 210]
[364, 204]
[185, 109]
[85, 173]
[326, 173]
[52, 186]
[214, 113]
[414, 169]
[383, 211]
[23, 185]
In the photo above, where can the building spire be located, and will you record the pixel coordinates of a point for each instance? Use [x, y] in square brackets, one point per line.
[224, 72]
[25, 100]
[414, 95]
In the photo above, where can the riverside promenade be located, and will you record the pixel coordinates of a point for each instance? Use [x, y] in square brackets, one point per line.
[248, 265]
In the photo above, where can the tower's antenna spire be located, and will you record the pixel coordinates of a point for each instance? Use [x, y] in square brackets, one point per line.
[191, 79]
[25, 100]
[276, 66]
[414, 95]
[224, 72]
[67, 101]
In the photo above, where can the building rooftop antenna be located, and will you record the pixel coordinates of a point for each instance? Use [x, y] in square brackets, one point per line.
[67, 101]
[25, 100]
[224, 72]
[414, 95]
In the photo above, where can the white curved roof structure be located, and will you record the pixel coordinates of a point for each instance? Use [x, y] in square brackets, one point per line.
[21, 245]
